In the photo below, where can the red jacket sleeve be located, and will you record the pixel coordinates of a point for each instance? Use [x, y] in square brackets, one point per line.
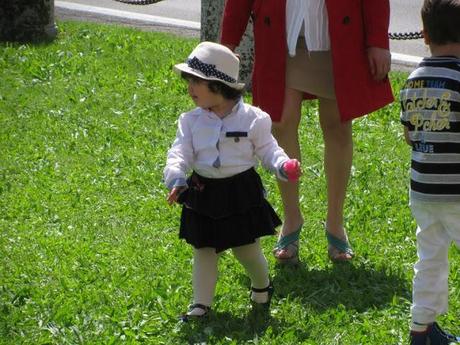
[376, 15]
[234, 21]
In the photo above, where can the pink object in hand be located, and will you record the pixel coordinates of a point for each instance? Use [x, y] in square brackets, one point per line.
[292, 169]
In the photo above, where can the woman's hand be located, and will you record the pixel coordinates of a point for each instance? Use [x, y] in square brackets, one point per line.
[379, 62]
[174, 194]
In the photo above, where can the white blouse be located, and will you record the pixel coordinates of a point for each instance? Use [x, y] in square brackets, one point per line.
[312, 15]
[219, 148]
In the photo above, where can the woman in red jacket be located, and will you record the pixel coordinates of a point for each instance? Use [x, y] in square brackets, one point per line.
[335, 51]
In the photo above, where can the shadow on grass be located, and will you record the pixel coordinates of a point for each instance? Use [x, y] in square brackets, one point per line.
[355, 286]
[225, 326]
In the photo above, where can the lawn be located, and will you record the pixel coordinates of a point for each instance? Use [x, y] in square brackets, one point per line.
[89, 248]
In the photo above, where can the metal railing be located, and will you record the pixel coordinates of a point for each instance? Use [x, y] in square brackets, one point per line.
[139, 2]
[405, 35]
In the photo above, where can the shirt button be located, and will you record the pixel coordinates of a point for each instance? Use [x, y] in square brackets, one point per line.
[346, 20]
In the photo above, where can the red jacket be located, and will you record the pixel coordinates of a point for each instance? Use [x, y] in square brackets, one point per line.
[354, 25]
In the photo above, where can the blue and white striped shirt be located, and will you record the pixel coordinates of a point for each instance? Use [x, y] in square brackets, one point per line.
[430, 109]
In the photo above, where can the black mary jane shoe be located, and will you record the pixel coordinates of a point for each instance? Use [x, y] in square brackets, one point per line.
[264, 306]
[186, 317]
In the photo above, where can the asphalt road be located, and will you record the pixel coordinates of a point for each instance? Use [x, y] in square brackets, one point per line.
[405, 17]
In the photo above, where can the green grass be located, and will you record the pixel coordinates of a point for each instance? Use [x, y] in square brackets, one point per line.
[89, 247]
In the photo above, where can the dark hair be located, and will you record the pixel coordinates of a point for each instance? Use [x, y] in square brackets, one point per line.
[215, 86]
[441, 20]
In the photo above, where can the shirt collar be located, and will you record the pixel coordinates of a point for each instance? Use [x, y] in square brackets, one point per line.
[234, 110]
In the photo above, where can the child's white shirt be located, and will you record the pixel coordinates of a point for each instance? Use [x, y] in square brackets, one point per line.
[219, 148]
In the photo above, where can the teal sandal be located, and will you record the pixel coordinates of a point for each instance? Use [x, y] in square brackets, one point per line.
[289, 243]
[338, 248]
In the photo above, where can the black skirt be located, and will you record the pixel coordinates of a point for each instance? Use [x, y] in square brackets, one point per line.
[225, 213]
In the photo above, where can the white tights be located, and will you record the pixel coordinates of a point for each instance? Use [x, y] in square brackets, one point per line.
[205, 271]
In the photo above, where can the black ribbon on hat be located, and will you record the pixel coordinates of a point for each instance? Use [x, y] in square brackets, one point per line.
[208, 70]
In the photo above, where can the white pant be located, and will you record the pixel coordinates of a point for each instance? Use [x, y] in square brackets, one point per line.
[438, 225]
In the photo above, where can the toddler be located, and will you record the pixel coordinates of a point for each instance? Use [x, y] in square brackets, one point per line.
[223, 200]
[430, 102]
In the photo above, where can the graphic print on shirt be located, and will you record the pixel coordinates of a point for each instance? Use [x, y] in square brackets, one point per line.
[439, 107]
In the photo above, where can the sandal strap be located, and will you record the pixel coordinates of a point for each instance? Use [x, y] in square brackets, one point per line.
[199, 306]
[265, 289]
[287, 240]
[341, 245]
[269, 289]
[186, 317]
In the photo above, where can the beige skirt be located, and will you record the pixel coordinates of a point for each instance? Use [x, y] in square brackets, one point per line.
[310, 72]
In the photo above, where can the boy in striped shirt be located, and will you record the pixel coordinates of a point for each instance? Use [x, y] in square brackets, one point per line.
[430, 113]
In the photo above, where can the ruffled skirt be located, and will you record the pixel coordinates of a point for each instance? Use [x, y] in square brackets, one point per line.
[225, 213]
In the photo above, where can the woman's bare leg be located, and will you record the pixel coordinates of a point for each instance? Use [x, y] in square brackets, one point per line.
[286, 133]
[338, 155]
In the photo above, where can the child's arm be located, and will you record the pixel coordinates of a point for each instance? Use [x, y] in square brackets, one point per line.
[174, 193]
[270, 153]
[403, 117]
[292, 169]
[179, 160]
[406, 136]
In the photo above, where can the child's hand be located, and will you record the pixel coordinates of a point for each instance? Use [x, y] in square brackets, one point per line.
[174, 194]
[292, 169]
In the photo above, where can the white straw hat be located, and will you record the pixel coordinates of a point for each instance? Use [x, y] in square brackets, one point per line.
[212, 61]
